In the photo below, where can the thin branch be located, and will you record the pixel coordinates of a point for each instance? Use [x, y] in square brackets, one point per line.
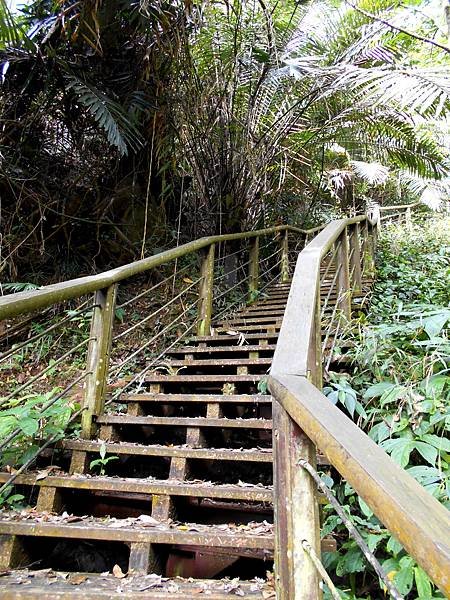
[396, 28]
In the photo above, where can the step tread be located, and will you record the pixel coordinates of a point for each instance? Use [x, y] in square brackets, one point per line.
[166, 378]
[218, 362]
[219, 398]
[121, 419]
[251, 455]
[35, 585]
[231, 337]
[250, 319]
[202, 350]
[131, 529]
[147, 485]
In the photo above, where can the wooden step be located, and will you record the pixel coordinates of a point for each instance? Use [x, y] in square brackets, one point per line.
[219, 362]
[242, 328]
[147, 486]
[124, 448]
[252, 455]
[188, 398]
[222, 423]
[233, 339]
[262, 312]
[136, 530]
[249, 320]
[246, 348]
[36, 585]
[210, 378]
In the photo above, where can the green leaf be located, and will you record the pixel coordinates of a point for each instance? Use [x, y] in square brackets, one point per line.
[423, 584]
[428, 452]
[350, 403]
[394, 546]
[399, 449]
[29, 426]
[438, 442]
[378, 389]
[102, 450]
[352, 562]
[367, 511]
[433, 325]
[403, 580]
[373, 539]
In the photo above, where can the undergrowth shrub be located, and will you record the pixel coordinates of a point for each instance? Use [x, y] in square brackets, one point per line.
[398, 390]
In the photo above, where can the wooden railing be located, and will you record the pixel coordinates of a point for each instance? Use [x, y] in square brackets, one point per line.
[304, 419]
[234, 269]
[231, 269]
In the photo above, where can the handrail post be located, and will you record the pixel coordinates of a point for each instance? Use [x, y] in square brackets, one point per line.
[343, 296]
[285, 257]
[98, 357]
[296, 509]
[253, 270]
[369, 249]
[205, 295]
[355, 259]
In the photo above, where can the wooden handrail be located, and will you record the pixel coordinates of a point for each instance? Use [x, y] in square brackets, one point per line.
[24, 302]
[419, 522]
[399, 206]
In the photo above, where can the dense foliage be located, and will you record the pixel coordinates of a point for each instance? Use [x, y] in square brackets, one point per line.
[399, 391]
[127, 126]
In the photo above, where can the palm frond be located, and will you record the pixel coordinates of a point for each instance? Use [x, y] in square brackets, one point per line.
[109, 115]
[373, 173]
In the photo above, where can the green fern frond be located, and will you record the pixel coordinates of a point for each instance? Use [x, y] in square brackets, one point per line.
[109, 115]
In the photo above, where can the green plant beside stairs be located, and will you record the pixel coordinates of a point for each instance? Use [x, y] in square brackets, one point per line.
[100, 463]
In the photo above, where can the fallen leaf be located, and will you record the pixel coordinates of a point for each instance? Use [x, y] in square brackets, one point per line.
[76, 578]
[117, 572]
[41, 475]
[148, 520]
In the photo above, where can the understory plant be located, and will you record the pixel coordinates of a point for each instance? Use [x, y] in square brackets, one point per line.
[398, 390]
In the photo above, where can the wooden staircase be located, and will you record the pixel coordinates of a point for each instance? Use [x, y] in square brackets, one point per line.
[184, 506]
[178, 486]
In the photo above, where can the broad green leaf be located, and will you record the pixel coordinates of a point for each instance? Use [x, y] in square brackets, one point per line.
[399, 449]
[394, 546]
[373, 539]
[367, 511]
[7, 425]
[378, 389]
[29, 426]
[425, 475]
[433, 325]
[423, 584]
[350, 403]
[438, 442]
[392, 394]
[403, 580]
[428, 452]
[352, 562]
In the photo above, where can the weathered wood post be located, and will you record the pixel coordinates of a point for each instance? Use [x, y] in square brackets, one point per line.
[285, 257]
[98, 355]
[343, 295]
[296, 508]
[205, 295]
[355, 258]
[253, 270]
